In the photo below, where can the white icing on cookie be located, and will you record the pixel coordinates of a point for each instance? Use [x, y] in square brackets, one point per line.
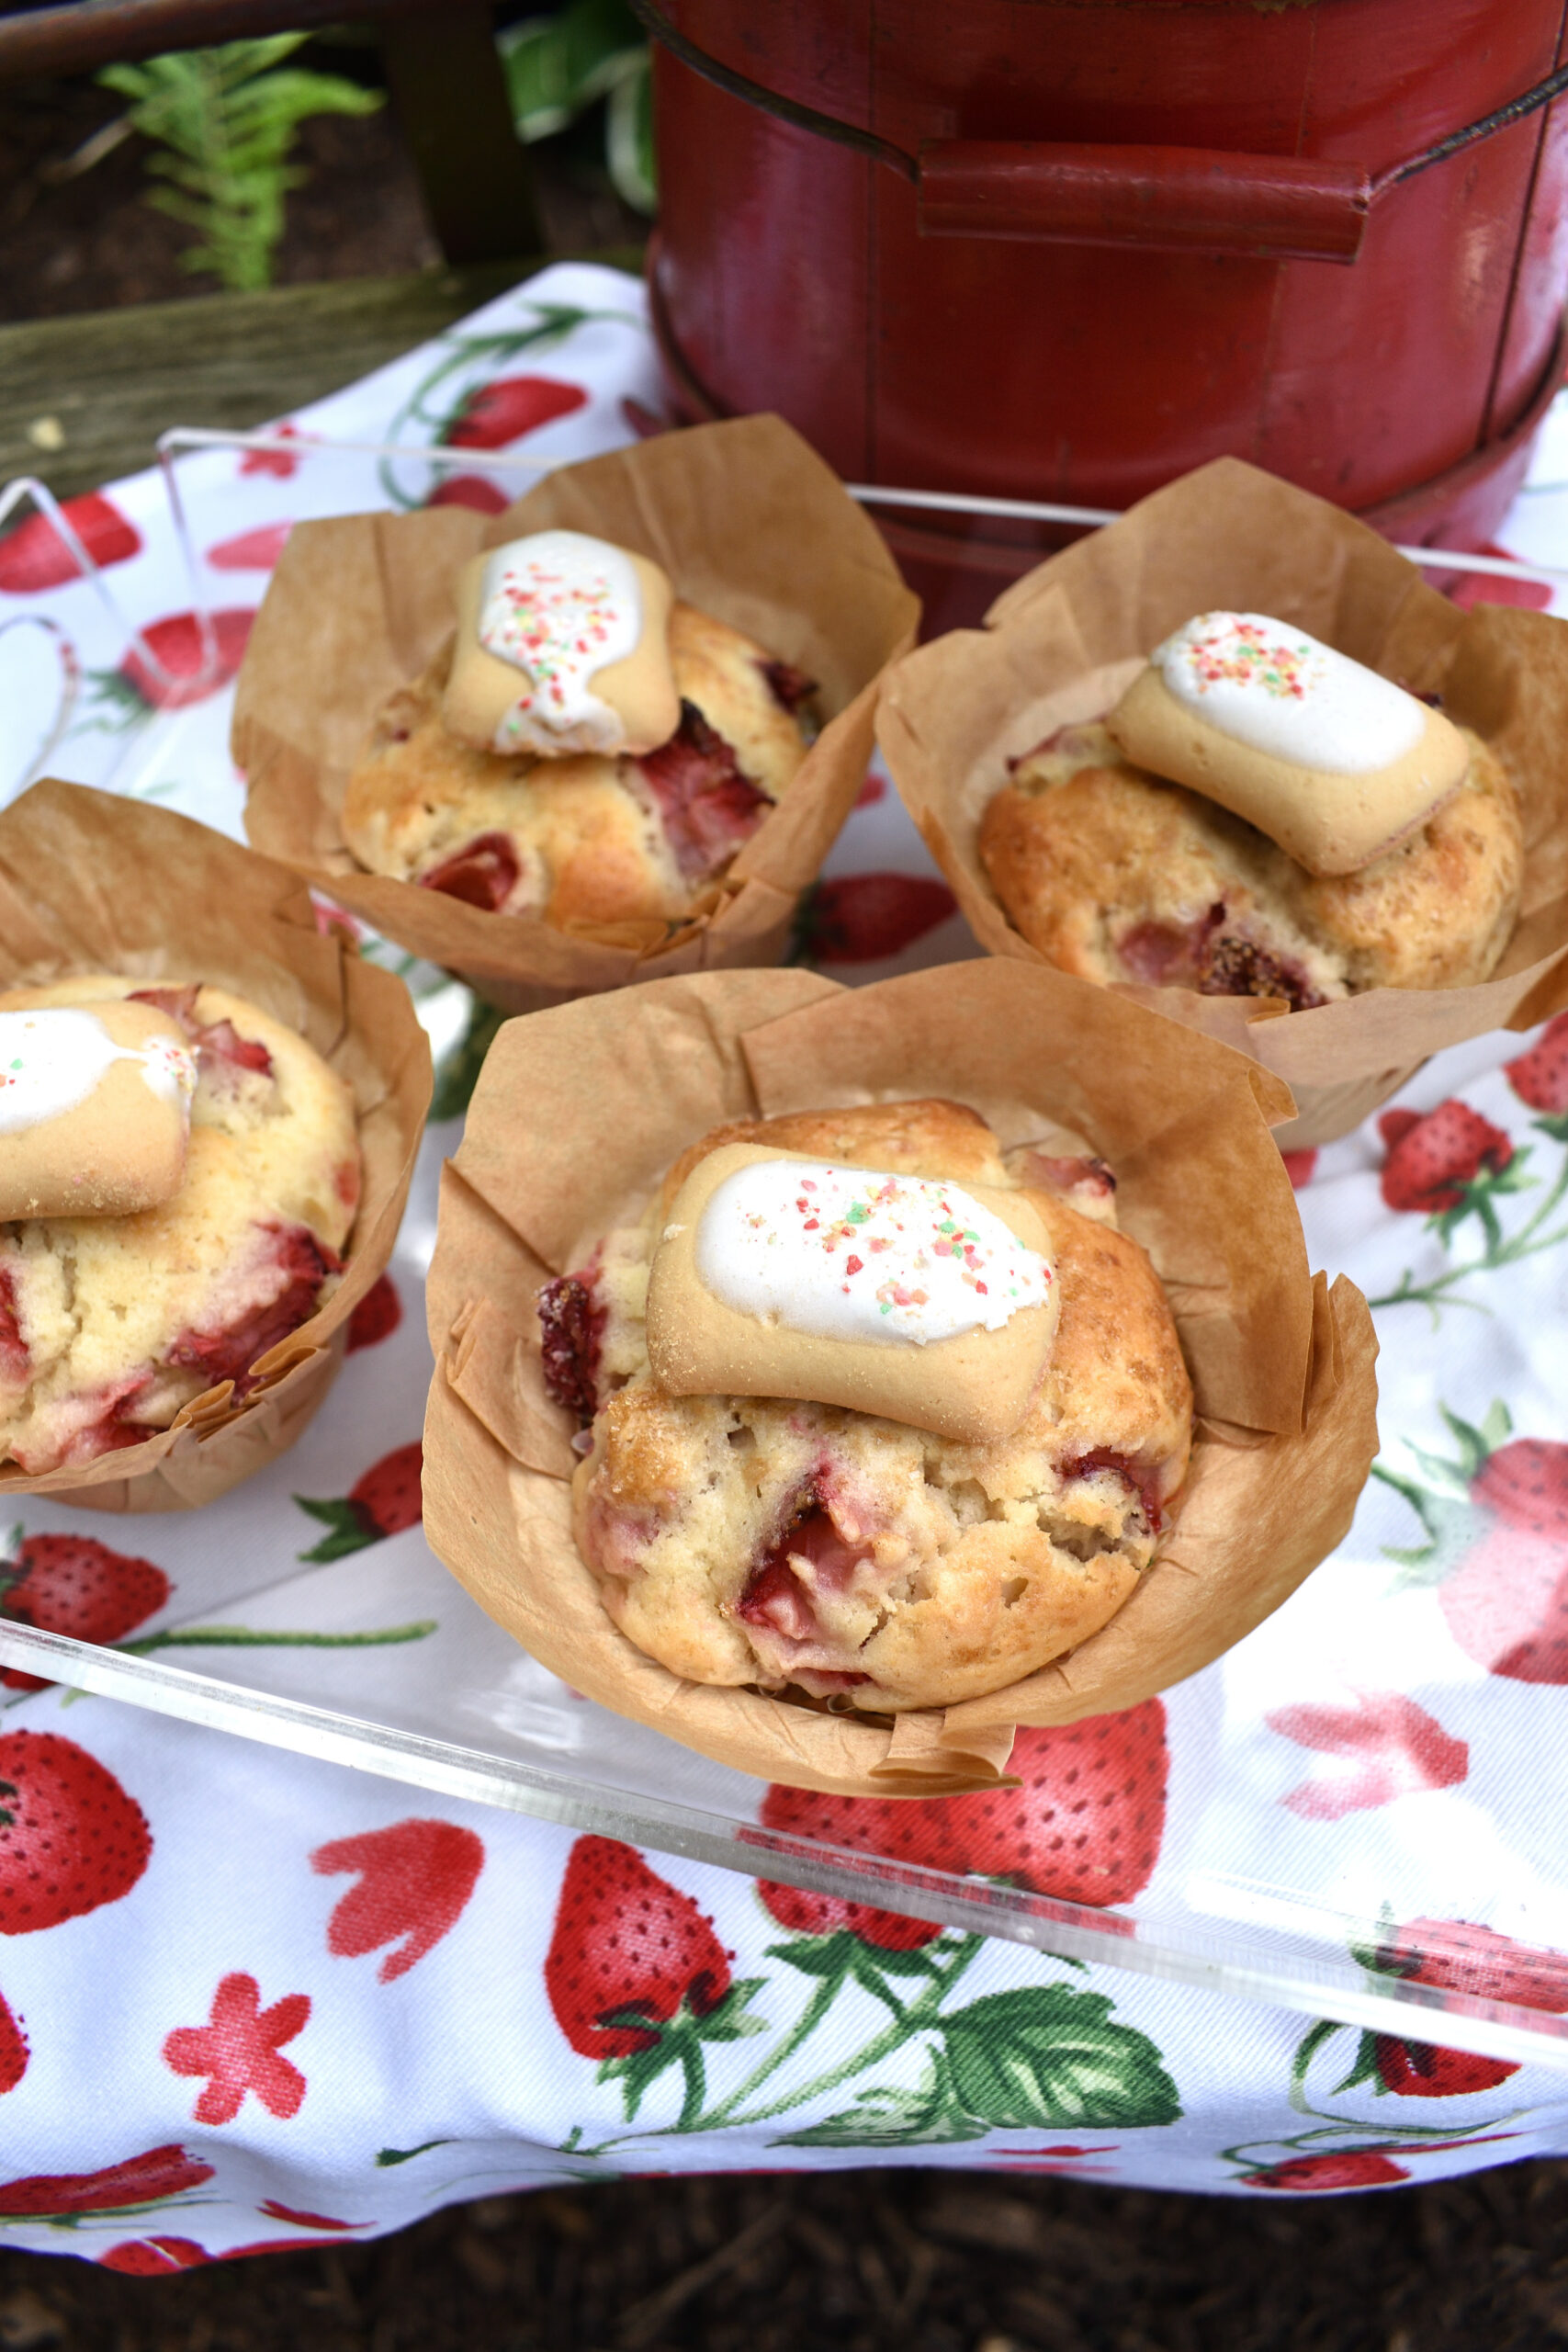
[1281, 691]
[53, 1058]
[559, 606]
[840, 1254]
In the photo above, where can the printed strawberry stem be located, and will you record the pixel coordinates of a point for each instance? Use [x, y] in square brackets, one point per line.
[1500, 1250]
[908, 2021]
[241, 1637]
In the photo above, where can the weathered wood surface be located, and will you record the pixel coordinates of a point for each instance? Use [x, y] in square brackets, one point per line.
[112, 381]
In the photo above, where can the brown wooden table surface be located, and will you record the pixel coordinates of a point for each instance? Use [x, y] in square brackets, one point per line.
[84, 399]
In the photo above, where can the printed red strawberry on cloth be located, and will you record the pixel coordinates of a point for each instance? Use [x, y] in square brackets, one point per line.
[71, 1839]
[376, 1317]
[636, 1976]
[492, 415]
[383, 1502]
[1539, 1078]
[1494, 1520]
[12, 2047]
[1085, 1825]
[1452, 1955]
[34, 558]
[1444, 1161]
[74, 1585]
[158, 2176]
[863, 918]
[177, 664]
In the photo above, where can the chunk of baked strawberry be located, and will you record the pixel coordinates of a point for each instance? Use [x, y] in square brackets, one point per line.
[571, 1324]
[289, 1268]
[14, 1360]
[777, 1602]
[1230, 965]
[707, 806]
[223, 1056]
[484, 873]
[788, 684]
[1143, 1480]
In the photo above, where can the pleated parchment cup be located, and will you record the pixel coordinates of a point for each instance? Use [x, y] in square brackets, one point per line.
[750, 525]
[93, 883]
[579, 1111]
[1062, 644]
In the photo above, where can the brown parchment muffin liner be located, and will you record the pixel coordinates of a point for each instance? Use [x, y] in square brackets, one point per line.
[93, 883]
[579, 1111]
[748, 523]
[1062, 644]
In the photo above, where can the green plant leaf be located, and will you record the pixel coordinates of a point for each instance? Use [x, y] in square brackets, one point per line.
[388, 2156]
[460, 1070]
[1365, 2068]
[348, 1523]
[1048, 2055]
[558, 66]
[629, 139]
[734, 2020]
[894, 2116]
[817, 1955]
[223, 121]
[638, 2072]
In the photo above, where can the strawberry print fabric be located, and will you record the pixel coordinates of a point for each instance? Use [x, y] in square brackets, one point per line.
[251, 2000]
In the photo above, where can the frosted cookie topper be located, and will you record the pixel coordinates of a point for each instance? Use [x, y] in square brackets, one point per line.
[94, 1110]
[927, 1303]
[1334, 763]
[563, 645]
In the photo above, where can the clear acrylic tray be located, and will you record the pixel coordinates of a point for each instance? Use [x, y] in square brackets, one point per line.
[377, 1659]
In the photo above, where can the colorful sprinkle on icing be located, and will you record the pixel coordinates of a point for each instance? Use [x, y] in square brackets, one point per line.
[1281, 691]
[841, 1254]
[53, 1058]
[559, 606]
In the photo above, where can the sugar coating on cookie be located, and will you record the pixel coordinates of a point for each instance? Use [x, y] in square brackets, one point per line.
[749, 1540]
[562, 647]
[1331, 761]
[94, 1110]
[109, 1325]
[889, 1293]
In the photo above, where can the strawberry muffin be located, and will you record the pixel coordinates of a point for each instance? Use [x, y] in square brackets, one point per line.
[1117, 875]
[586, 840]
[109, 1325]
[849, 1558]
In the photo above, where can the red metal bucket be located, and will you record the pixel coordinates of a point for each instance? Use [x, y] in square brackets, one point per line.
[1082, 245]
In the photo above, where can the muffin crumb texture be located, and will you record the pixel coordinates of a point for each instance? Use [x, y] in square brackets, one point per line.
[858, 1562]
[110, 1326]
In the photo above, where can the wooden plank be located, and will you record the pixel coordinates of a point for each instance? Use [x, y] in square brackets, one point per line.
[110, 381]
[71, 38]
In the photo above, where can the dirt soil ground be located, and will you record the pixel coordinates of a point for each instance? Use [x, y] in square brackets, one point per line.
[90, 242]
[872, 2262]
